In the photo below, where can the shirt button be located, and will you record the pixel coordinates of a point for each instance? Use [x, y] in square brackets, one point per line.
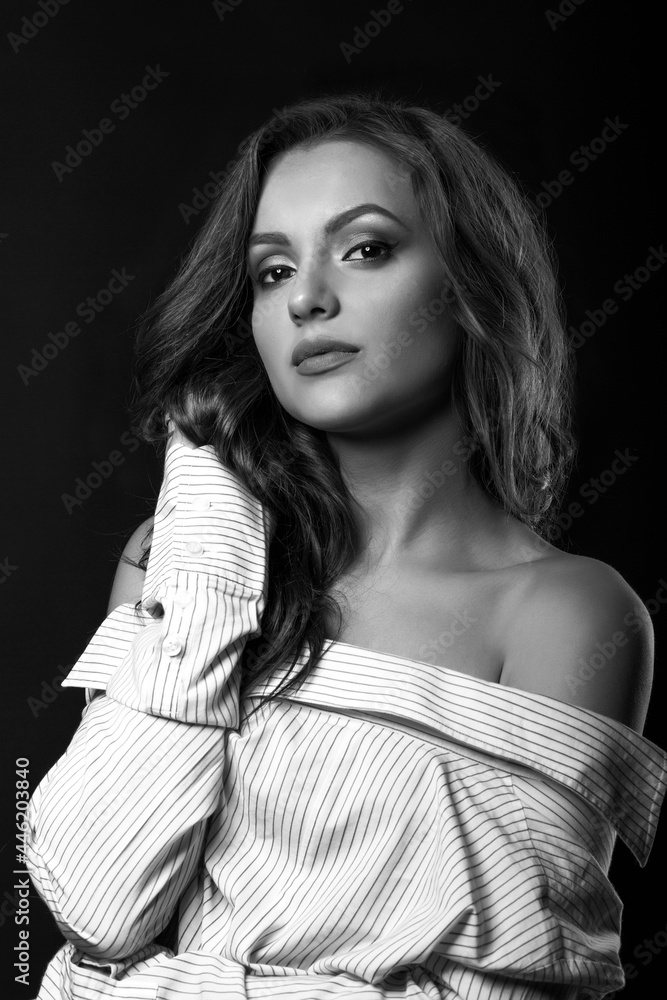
[183, 599]
[173, 646]
[200, 503]
[194, 548]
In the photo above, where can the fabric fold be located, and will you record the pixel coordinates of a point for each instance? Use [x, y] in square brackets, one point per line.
[623, 774]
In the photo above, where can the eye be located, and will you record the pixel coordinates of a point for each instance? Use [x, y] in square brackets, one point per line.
[379, 249]
[279, 274]
[371, 251]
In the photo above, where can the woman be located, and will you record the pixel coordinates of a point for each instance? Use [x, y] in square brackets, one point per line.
[346, 745]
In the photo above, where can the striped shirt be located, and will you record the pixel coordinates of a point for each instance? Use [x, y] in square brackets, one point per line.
[392, 829]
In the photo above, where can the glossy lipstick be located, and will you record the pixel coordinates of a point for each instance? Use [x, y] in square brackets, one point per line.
[317, 363]
[318, 346]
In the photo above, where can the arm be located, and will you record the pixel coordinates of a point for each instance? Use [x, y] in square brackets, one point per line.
[117, 825]
[128, 582]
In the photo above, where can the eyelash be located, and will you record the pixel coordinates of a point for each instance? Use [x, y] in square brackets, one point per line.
[387, 247]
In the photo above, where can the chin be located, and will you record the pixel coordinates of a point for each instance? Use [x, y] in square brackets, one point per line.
[322, 421]
[338, 412]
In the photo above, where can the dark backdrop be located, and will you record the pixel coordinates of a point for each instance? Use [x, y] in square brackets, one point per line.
[554, 76]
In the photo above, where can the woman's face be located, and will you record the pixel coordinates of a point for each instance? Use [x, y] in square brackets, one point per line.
[338, 250]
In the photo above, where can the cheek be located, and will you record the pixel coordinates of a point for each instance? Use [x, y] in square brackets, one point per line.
[274, 352]
[265, 331]
[416, 322]
[421, 289]
[430, 299]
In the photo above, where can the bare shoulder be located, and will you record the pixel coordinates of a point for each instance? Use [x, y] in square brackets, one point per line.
[580, 633]
[128, 582]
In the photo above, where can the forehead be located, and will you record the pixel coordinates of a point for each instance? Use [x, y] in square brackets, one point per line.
[318, 181]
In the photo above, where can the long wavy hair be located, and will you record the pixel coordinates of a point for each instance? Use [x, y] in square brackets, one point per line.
[197, 362]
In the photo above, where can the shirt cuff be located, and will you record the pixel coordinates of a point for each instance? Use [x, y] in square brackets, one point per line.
[207, 571]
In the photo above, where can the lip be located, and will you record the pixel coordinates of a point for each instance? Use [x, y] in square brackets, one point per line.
[318, 363]
[319, 345]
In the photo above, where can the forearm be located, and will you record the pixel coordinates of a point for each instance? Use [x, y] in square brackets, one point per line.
[117, 825]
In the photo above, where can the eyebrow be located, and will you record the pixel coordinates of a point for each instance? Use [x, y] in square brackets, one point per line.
[334, 225]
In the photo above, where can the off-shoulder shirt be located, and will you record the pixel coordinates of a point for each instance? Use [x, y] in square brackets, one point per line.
[390, 829]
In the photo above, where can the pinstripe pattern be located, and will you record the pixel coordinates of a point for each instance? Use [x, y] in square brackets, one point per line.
[392, 829]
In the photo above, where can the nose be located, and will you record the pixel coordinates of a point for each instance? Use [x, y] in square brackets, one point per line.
[312, 294]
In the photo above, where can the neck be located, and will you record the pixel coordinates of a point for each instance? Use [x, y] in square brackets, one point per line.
[414, 495]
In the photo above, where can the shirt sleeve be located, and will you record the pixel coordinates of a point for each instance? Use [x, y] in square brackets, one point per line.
[116, 827]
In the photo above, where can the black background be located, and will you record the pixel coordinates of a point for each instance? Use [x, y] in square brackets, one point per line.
[119, 208]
